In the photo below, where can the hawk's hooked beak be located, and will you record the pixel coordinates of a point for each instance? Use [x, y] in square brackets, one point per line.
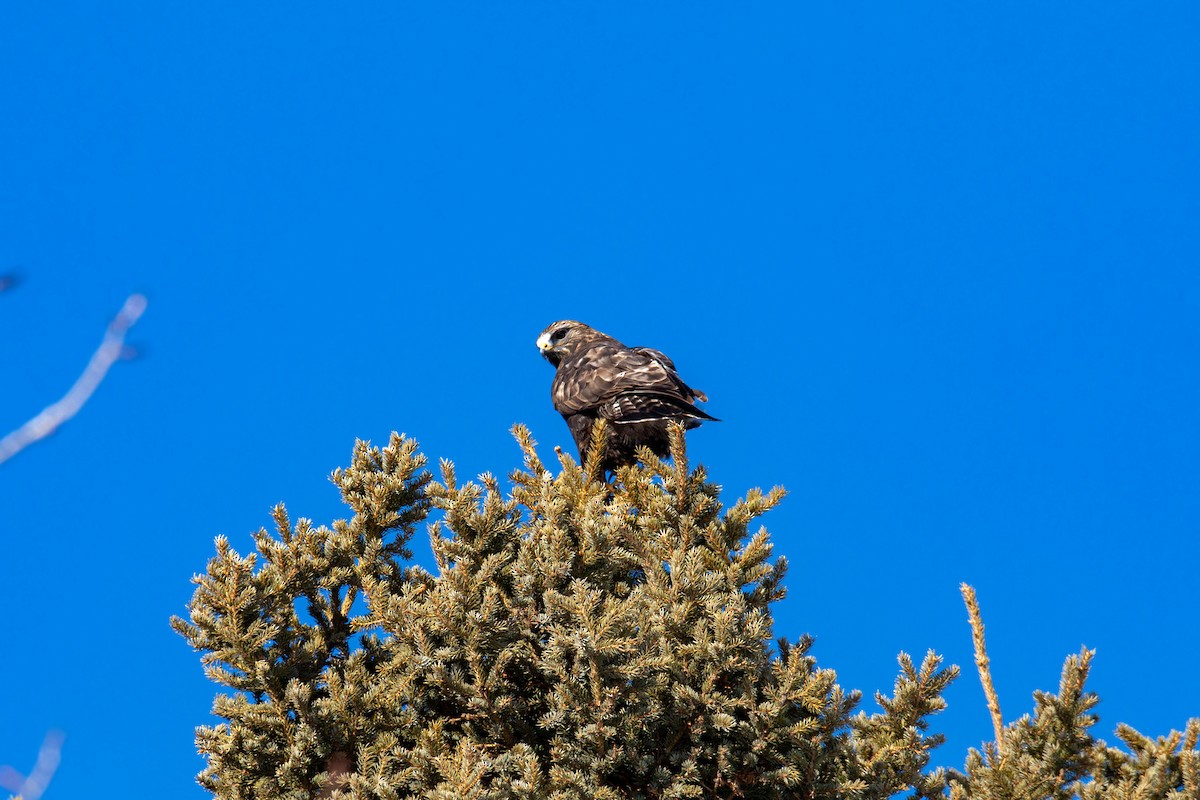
[546, 348]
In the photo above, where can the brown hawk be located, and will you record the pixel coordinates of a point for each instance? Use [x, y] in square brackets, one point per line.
[635, 388]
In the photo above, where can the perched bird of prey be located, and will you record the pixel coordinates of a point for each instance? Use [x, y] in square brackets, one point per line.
[635, 388]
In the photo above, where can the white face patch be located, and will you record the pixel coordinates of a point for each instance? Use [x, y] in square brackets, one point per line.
[543, 342]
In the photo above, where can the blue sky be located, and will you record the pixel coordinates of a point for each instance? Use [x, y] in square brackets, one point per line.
[935, 266]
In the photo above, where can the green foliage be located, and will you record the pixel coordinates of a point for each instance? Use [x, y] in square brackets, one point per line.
[303, 686]
[1051, 754]
[579, 639]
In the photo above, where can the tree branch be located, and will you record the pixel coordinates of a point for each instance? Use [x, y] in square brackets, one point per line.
[54, 415]
[984, 664]
[32, 787]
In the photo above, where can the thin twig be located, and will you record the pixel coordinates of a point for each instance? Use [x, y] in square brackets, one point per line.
[32, 787]
[54, 415]
[984, 665]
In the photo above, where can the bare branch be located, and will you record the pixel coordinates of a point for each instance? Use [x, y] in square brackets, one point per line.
[984, 664]
[32, 787]
[111, 349]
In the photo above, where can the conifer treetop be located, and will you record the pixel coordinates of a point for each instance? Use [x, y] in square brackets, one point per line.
[576, 638]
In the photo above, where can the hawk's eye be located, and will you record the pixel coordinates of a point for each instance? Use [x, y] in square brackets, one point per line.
[558, 335]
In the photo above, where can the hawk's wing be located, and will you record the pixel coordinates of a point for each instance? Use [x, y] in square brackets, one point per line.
[639, 406]
[623, 384]
[669, 366]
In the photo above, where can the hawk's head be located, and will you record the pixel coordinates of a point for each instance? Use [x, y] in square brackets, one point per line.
[564, 338]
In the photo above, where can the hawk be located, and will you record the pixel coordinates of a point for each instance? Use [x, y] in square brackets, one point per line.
[635, 388]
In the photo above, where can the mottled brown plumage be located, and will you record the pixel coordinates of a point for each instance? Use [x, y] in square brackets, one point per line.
[635, 388]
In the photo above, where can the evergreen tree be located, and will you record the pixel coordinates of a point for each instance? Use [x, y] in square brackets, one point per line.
[579, 639]
[1052, 755]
